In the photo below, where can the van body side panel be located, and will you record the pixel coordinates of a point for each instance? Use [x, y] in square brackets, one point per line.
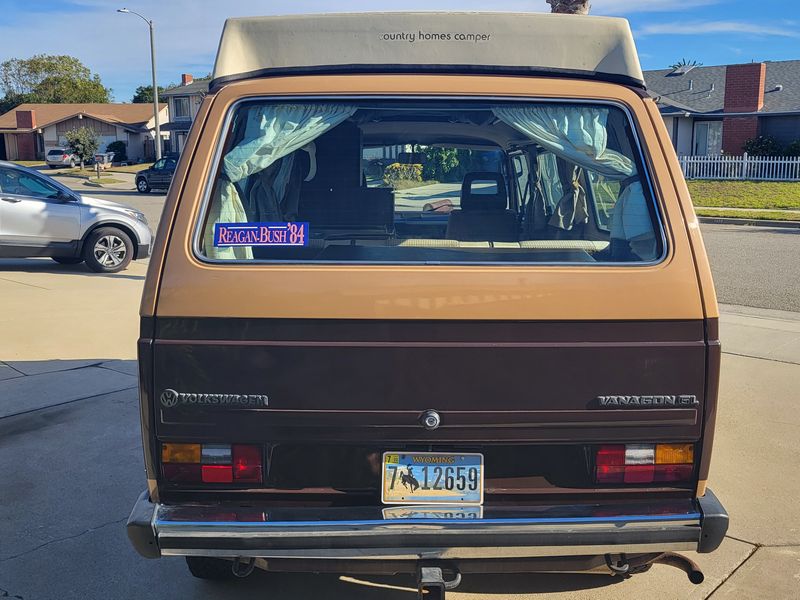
[156, 265]
[667, 290]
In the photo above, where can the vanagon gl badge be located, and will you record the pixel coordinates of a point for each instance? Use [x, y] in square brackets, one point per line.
[676, 401]
[170, 399]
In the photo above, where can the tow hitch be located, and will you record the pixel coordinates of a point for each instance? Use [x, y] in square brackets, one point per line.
[431, 584]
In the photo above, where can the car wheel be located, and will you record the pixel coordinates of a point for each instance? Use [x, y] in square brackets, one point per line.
[142, 186]
[68, 260]
[108, 250]
[204, 567]
[71, 164]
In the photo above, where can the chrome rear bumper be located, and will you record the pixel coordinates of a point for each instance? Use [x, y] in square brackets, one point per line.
[233, 530]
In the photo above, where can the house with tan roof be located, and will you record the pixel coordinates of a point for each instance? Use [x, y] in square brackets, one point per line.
[28, 131]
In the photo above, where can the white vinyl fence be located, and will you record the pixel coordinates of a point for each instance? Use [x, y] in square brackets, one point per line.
[758, 168]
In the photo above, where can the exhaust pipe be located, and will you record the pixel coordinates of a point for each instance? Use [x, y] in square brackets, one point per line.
[683, 563]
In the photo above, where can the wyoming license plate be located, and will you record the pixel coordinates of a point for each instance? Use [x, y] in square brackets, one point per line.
[432, 478]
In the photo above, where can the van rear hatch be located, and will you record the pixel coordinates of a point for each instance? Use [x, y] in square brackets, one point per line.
[325, 293]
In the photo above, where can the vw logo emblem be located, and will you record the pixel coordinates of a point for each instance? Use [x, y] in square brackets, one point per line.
[430, 420]
[169, 398]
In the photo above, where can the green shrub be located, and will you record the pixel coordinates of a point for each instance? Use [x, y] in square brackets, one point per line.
[399, 172]
[440, 162]
[763, 145]
[119, 149]
[793, 149]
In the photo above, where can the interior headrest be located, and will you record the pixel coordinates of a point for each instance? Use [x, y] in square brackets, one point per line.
[481, 198]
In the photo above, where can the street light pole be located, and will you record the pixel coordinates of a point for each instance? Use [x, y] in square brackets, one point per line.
[153, 69]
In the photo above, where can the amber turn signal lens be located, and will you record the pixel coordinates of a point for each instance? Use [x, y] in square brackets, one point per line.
[180, 453]
[674, 454]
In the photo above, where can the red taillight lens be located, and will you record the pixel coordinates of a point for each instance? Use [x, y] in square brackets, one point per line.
[643, 463]
[217, 474]
[247, 464]
[611, 455]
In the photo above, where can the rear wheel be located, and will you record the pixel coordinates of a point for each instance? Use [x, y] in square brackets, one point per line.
[71, 163]
[204, 567]
[68, 260]
[142, 186]
[108, 250]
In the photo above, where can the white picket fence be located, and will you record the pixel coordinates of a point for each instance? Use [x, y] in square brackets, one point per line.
[756, 168]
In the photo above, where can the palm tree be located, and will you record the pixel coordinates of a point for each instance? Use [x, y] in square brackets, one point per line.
[570, 7]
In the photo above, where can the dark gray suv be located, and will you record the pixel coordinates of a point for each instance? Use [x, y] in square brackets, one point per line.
[159, 176]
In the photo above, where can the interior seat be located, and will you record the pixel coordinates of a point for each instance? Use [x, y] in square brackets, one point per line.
[483, 216]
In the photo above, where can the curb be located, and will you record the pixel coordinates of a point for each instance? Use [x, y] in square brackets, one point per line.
[749, 222]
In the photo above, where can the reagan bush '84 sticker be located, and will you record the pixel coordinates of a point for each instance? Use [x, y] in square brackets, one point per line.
[260, 234]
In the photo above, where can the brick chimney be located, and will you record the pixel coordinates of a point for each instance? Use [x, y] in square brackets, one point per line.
[744, 87]
[744, 93]
[186, 79]
[26, 119]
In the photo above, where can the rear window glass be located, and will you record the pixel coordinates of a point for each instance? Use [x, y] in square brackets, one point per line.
[429, 182]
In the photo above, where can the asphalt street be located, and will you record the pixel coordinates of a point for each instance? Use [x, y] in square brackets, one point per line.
[752, 266]
[71, 458]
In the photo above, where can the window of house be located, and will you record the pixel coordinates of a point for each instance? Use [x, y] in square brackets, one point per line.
[180, 106]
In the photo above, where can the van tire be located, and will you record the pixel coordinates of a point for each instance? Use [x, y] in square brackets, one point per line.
[214, 569]
[100, 260]
[68, 260]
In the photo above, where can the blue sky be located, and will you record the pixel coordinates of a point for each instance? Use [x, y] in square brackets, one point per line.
[187, 31]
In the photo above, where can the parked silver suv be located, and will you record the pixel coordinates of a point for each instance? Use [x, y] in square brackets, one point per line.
[41, 217]
[60, 157]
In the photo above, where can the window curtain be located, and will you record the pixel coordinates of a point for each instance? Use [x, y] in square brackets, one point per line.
[271, 132]
[578, 134]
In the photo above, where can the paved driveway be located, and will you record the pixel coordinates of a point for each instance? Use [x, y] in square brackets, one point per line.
[71, 458]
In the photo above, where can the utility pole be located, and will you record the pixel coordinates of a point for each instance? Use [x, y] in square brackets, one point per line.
[153, 69]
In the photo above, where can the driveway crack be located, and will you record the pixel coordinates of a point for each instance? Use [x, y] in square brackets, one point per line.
[62, 539]
[7, 594]
[731, 574]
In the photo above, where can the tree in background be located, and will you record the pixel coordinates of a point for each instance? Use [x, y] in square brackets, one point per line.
[439, 163]
[144, 94]
[570, 7]
[82, 142]
[48, 78]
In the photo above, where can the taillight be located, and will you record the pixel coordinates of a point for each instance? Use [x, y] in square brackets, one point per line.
[212, 463]
[644, 463]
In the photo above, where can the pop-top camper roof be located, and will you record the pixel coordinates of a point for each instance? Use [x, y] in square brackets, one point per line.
[534, 43]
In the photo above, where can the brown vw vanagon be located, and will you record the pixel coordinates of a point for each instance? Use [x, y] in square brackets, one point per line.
[429, 296]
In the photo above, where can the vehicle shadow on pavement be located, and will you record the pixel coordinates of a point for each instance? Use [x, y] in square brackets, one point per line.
[399, 587]
[46, 265]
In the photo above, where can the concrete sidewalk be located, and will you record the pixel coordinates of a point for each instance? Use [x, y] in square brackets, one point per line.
[754, 472]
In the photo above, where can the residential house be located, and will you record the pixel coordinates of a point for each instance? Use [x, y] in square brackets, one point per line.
[30, 130]
[711, 110]
[184, 102]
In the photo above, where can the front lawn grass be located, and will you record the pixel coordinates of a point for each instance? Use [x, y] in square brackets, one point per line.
[130, 168]
[769, 215]
[408, 184]
[745, 194]
[29, 163]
